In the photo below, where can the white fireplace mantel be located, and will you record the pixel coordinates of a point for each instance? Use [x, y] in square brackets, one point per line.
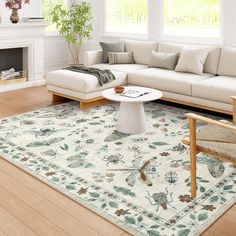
[31, 37]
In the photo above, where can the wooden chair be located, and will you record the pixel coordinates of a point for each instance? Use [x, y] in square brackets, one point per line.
[217, 139]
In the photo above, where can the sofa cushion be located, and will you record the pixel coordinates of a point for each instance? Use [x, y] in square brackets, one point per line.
[218, 88]
[81, 82]
[169, 47]
[192, 60]
[120, 67]
[141, 50]
[212, 60]
[166, 80]
[164, 60]
[111, 47]
[227, 65]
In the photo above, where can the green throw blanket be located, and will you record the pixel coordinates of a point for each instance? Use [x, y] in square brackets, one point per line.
[103, 76]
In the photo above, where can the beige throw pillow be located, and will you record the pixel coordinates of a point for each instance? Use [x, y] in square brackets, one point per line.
[120, 57]
[192, 60]
[164, 60]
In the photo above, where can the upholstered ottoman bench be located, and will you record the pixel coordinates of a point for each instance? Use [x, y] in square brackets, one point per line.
[81, 87]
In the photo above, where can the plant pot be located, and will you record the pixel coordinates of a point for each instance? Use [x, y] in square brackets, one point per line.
[14, 16]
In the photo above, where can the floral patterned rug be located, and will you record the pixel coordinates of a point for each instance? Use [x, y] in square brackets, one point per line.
[139, 182]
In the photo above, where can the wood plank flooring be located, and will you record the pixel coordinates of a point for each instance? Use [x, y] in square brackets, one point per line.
[30, 207]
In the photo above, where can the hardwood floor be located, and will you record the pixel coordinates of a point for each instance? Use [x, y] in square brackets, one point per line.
[30, 207]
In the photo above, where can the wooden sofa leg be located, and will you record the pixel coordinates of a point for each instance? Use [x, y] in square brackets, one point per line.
[193, 153]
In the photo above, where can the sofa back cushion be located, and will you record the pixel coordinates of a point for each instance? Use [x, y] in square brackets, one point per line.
[170, 48]
[227, 65]
[141, 50]
[211, 63]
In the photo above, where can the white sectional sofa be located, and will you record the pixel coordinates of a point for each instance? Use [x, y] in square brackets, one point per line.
[211, 90]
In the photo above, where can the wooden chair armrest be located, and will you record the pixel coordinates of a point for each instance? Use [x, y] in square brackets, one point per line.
[210, 121]
[234, 108]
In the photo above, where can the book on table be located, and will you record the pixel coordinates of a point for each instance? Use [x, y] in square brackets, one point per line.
[134, 93]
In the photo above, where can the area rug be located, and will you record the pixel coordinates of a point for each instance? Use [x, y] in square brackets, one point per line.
[139, 182]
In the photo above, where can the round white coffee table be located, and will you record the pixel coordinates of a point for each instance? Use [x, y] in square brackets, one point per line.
[131, 116]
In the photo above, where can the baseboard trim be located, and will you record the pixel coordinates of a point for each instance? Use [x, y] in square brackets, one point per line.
[28, 84]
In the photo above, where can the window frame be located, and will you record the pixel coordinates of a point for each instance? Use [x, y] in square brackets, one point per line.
[105, 33]
[188, 39]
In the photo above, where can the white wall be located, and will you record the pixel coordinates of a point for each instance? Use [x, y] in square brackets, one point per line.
[56, 53]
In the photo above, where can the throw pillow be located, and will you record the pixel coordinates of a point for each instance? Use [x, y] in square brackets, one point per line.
[192, 60]
[111, 47]
[164, 60]
[120, 57]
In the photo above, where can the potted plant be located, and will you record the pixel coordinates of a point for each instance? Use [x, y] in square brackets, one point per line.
[15, 5]
[75, 25]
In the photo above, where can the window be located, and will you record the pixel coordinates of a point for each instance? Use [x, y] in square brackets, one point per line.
[47, 7]
[126, 16]
[192, 18]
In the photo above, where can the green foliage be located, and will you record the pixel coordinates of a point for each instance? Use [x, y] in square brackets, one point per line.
[74, 25]
[192, 13]
[127, 16]
[132, 16]
[124, 11]
[47, 8]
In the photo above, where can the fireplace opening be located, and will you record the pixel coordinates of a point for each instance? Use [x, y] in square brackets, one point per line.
[13, 65]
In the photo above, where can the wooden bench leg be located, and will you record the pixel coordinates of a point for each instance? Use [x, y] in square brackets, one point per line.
[93, 103]
[193, 154]
[84, 104]
[56, 98]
